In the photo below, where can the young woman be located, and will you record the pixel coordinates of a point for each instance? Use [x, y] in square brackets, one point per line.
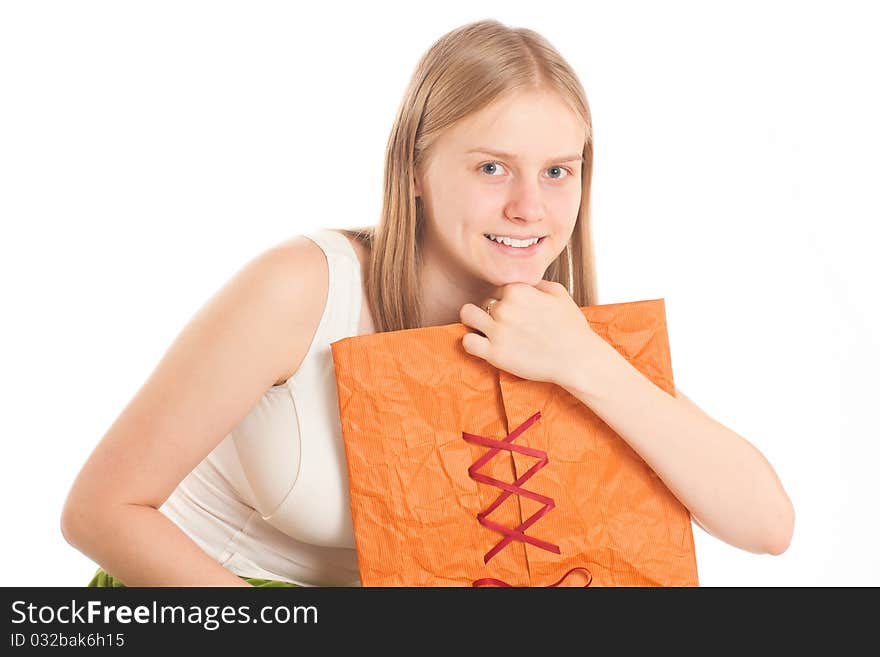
[227, 467]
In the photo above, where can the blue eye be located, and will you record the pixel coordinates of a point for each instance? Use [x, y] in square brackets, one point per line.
[493, 164]
[498, 164]
[560, 169]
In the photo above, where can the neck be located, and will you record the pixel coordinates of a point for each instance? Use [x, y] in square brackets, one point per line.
[442, 295]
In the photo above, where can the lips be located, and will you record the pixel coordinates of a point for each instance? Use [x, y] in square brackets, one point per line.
[515, 237]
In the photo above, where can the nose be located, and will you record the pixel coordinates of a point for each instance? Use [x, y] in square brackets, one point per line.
[525, 203]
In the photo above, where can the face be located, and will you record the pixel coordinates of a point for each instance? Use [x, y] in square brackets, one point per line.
[527, 185]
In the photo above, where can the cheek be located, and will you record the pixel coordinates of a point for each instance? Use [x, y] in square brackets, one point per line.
[469, 196]
[574, 201]
[467, 209]
[566, 203]
[482, 207]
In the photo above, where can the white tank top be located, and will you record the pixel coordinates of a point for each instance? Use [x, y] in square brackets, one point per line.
[271, 500]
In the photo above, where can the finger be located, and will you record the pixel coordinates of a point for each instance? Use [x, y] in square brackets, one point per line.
[476, 318]
[486, 302]
[476, 345]
[551, 287]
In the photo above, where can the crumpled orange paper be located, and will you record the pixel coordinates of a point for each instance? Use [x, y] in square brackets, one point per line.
[418, 412]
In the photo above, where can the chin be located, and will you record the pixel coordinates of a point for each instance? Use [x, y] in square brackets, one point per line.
[501, 281]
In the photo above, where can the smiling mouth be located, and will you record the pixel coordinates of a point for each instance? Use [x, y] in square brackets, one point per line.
[540, 239]
[516, 252]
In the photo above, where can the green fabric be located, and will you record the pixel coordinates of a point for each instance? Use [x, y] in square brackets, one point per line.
[104, 579]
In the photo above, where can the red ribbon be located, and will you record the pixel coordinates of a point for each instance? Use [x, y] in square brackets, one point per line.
[491, 581]
[514, 489]
[511, 489]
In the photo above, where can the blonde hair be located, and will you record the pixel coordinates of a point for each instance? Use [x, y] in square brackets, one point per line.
[461, 73]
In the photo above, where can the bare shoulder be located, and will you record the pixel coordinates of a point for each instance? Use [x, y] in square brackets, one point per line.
[242, 339]
[297, 247]
[297, 269]
[293, 253]
[293, 278]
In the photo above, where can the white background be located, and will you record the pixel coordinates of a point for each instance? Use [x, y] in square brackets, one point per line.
[148, 150]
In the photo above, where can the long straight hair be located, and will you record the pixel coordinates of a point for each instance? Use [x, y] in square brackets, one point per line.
[464, 71]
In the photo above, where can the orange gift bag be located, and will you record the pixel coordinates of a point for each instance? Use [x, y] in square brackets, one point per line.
[461, 474]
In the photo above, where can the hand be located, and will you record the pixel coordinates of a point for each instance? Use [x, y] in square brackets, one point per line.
[536, 333]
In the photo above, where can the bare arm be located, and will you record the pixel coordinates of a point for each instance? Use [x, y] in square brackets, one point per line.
[730, 488]
[246, 337]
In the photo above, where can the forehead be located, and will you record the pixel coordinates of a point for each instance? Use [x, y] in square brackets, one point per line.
[530, 124]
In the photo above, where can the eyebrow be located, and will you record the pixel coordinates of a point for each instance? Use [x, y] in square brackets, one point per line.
[509, 156]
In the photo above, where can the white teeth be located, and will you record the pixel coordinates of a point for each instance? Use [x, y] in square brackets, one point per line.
[509, 241]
